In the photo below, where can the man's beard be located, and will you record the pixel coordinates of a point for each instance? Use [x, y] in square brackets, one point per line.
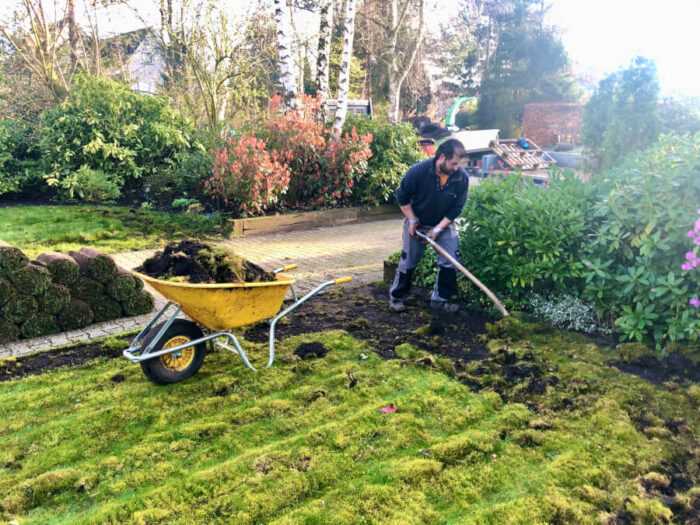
[443, 170]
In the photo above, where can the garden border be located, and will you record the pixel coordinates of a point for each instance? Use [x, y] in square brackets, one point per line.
[310, 219]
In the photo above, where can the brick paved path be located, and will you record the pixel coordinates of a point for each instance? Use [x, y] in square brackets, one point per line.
[357, 250]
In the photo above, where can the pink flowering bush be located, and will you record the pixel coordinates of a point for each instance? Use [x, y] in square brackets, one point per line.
[692, 260]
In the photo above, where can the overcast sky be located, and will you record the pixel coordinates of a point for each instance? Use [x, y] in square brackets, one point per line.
[600, 35]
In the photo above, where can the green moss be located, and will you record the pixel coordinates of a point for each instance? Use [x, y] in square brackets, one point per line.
[38, 325]
[469, 446]
[32, 279]
[648, 511]
[416, 470]
[632, 351]
[39, 490]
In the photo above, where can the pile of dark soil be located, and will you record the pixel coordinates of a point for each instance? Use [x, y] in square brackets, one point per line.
[196, 262]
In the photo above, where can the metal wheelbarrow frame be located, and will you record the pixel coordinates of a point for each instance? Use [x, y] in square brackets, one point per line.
[218, 308]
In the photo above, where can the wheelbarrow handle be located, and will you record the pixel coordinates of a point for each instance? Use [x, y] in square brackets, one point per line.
[285, 268]
[343, 280]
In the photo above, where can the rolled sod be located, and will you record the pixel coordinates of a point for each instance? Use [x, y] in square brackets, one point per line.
[54, 299]
[77, 314]
[138, 304]
[11, 259]
[7, 291]
[87, 289]
[106, 309]
[122, 286]
[63, 268]
[95, 265]
[32, 279]
[40, 324]
[20, 309]
[8, 331]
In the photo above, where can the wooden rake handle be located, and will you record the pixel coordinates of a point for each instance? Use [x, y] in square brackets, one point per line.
[466, 272]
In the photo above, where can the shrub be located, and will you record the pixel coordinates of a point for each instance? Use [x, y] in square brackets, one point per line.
[18, 158]
[567, 312]
[633, 262]
[518, 237]
[183, 180]
[90, 185]
[323, 170]
[105, 126]
[394, 149]
[246, 177]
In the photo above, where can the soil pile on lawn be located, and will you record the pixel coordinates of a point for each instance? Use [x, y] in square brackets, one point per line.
[195, 262]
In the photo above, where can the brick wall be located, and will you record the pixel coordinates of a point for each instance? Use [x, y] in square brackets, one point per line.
[550, 123]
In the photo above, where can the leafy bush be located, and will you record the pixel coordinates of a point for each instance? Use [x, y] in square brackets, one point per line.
[246, 177]
[394, 149]
[567, 312]
[105, 126]
[93, 186]
[633, 263]
[183, 179]
[18, 158]
[323, 170]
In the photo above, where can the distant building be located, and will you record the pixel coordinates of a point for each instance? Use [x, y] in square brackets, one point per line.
[553, 123]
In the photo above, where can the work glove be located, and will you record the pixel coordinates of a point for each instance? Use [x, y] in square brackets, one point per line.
[434, 233]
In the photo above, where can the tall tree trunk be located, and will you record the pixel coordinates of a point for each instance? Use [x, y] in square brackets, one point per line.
[344, 77]
[324, 49]
[398, 74]
[72, 35]
[284, 44]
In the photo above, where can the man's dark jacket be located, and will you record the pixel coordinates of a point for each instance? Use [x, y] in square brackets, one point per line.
[420, 187]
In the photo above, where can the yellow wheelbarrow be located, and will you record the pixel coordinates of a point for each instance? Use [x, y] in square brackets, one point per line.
[174, 349]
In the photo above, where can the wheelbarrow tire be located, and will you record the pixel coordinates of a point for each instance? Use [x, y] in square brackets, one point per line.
[165, 370]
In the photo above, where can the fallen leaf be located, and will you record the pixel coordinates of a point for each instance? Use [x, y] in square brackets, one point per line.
[389, 409]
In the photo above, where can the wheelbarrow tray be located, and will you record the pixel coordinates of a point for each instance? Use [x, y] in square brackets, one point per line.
[225, 306]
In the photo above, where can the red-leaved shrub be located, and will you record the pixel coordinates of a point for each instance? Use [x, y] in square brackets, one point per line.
[247, 178]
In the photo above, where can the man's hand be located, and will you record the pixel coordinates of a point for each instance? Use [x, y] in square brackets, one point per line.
[434, 233]
[413, 226]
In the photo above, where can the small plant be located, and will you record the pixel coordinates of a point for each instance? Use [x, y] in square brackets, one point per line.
[567, 312]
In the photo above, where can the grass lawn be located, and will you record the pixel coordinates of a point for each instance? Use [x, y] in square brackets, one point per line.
[111, 229]
[304, 442]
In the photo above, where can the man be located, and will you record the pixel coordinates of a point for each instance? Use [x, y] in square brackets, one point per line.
[431, 195]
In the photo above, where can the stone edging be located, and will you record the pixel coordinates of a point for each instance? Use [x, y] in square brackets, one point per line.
[310, 219]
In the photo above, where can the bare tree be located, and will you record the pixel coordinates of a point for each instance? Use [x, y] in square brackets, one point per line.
[344, 78]
[284, 45]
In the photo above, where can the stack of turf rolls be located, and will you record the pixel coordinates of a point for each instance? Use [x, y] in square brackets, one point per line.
[59, 292]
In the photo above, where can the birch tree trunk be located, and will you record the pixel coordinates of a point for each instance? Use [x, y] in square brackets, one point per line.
[72, 36]
[284, 44]
[324, 49]
[344, 77]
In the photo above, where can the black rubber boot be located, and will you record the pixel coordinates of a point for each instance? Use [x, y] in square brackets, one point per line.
[399, 290]
[447, 283]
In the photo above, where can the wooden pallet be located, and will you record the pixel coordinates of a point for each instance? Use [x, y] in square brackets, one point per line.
[518, 158]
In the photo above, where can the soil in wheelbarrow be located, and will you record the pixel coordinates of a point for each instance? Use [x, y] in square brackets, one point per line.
[363, 311]
[195, 262]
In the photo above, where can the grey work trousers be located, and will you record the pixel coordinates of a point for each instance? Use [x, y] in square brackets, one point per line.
[411, 253]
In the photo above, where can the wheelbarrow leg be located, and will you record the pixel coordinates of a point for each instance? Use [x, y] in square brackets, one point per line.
[293, 307]
[236, 349]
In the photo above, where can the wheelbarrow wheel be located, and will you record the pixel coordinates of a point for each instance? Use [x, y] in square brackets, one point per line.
[171, 368]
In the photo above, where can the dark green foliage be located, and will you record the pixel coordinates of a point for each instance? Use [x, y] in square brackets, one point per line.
[106, 309]
[33, 279]
[394, 149]
[633, 262]
[20, 308]
[9, 331]
[18, 158]
[54, 299]
[11, 260]
[77, 314]
[517, 237]
[95, 265]
[122, 287]
[182, 179]
[64, 270]
[7, 291]
[38, 325]
[105, 126]
[87, 289]
[622, 115]
[138, 304]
